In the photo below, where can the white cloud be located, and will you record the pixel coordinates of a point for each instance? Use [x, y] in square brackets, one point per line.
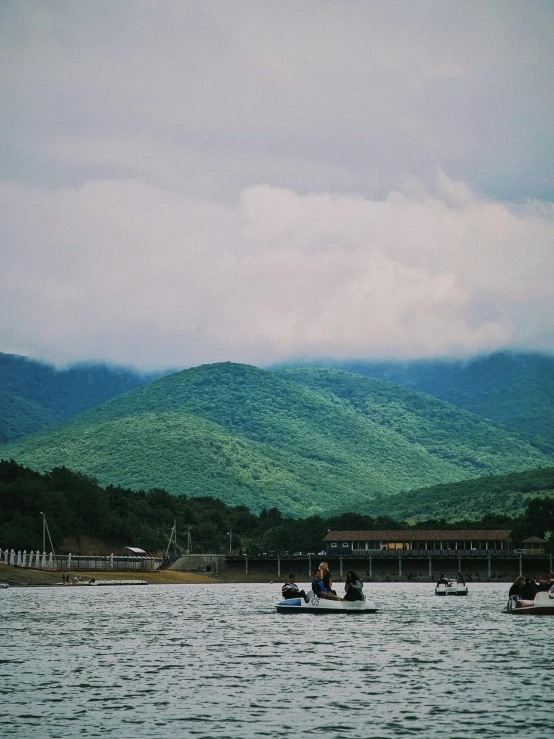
[127, 272]
[214, 97]
[197, 181]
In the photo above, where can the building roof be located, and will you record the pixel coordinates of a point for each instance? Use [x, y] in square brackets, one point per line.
[533, 540]
[422, 535]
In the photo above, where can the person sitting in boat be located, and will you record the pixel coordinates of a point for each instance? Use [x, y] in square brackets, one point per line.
[319, 588]
[290, 589]
[517, 587]
[460, 578]
[326, 576]
[542, 584]
[529, 589]
[353, 587]
[442, 580]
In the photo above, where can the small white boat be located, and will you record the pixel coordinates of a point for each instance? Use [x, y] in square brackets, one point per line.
[542, 605]
[451, 588]
[95, 583]
[323, 605]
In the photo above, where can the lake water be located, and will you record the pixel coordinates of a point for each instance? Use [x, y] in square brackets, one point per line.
[217, 661]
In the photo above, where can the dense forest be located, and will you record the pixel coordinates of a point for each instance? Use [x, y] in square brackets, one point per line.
[304, 441]
[513, 389]
[75, 504]
[496, 494]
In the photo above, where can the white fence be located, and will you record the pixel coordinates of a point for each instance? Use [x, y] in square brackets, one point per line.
[50, 561]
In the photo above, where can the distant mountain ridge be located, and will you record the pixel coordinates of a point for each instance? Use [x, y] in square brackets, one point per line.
[34, 395]
[304, 441]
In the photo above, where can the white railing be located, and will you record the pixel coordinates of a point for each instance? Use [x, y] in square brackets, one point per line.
[50, 561]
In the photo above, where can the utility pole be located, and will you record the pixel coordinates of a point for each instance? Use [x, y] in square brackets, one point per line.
[171, 535]
[230, 532]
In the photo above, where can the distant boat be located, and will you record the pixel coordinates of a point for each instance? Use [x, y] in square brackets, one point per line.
[451, 588]
[94, 582]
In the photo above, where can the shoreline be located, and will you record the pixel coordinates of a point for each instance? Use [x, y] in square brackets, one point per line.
[28, 577]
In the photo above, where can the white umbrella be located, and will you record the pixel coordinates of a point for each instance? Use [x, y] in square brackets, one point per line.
[24, 558]
[12, 558]
[18, 560]
[50, 561]
[6, 557]
[111, 561]
[69, 561]
[37, 558]
[43, 563]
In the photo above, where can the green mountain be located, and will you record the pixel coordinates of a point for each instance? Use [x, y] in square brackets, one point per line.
[305, 442]
[509, 388]
[470, 499]
[20, 416]
[34, 395]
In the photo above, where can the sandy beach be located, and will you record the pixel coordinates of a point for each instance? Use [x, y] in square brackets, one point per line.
[24, 577]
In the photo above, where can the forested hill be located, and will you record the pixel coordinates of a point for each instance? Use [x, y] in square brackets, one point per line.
[76, 505]
[304, 442]
[497, 495]
[34, 395]
[512, 389]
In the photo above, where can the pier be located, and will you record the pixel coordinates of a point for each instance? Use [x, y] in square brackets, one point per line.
[483, 565]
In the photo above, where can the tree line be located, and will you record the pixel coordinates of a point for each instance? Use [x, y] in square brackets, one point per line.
[75, 504]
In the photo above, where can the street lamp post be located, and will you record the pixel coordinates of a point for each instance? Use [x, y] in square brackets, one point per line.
[43, 531]
[46, 530]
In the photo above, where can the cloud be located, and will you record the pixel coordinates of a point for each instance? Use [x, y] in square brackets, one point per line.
[211, 98]
[124, 271]
[188, 182]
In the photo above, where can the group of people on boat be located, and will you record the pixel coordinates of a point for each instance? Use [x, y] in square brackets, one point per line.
[458, 578]
[322, 586]
[525, 588]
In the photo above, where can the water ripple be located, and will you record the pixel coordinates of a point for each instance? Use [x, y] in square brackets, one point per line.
[217, 661]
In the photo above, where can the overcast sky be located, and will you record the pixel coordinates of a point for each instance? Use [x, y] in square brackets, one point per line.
[188, 182]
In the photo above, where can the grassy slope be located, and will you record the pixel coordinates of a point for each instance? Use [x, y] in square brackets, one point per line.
[255, 438]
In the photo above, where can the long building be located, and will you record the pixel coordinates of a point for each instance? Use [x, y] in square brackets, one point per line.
[350, 543]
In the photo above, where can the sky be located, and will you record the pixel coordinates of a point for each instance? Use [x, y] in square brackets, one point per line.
[189, 182]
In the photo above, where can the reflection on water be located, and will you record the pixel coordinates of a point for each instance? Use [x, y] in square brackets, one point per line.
[217, 661]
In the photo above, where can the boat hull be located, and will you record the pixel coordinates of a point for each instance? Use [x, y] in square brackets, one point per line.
[543, 605]
[456, 589]
[321, 605]
[102, 583]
